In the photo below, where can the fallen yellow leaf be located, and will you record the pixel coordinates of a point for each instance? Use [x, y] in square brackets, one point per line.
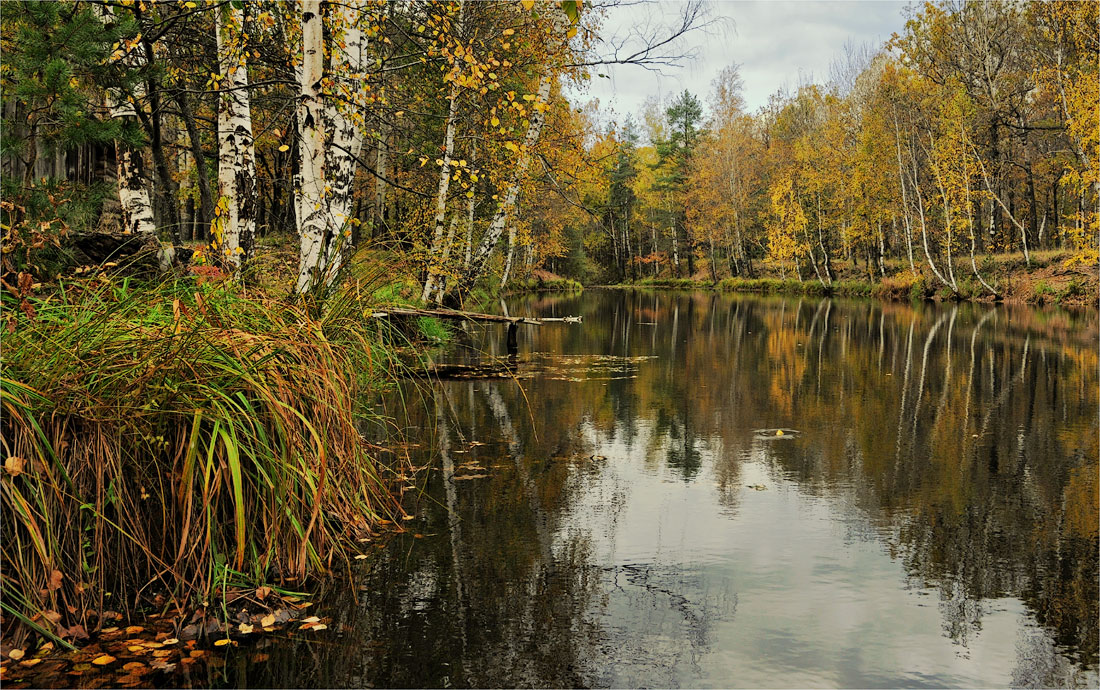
[14, 465]
[103, 660]
[311, 619]
[222, 642]
[245, 628]
[16, 654]
[267, 621]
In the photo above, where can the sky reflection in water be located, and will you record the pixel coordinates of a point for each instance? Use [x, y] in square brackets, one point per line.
[929, 518]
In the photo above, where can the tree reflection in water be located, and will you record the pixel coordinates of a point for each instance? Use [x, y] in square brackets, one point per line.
[958, 440]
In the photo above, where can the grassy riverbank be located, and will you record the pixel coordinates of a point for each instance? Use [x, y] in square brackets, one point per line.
[166, 444]
[1045, 281]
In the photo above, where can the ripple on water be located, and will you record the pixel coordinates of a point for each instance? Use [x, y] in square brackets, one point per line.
[776, 434]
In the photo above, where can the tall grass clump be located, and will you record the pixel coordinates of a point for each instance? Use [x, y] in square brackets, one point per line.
[166, 442]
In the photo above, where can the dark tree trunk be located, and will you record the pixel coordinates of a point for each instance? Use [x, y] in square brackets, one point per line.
[206, 199]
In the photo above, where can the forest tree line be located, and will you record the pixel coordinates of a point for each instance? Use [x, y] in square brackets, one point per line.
[415, 127]
[443, 132]
[971, 132]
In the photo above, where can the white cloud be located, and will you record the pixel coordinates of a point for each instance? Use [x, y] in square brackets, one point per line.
[779, 43]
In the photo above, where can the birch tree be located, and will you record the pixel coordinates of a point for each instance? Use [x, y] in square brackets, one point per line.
[330, 140]
[234, 226]
[133, 194]
[311, 147]
[436, 249]
[557, 43]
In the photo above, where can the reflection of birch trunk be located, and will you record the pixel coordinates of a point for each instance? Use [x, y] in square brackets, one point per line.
[454, 524]
[947, 368]
[1008, 387]
[235, 223]
[924, 370]
[973, 361]
[904, 393]
[500, 412]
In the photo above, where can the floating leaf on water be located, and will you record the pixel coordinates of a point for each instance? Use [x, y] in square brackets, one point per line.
[360, 556]
[162, 653]
[133, 665]
[30, 662]
[319, 626]
[171, 640]
[221, 643]
[471, 476]
[311, 619]
[267, 621]
[245, 628]
[134, 630]
[135, 648]
[103, 660]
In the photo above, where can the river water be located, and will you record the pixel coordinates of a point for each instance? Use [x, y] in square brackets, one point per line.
[624, 512]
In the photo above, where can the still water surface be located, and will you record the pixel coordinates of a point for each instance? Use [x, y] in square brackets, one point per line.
[624, 514]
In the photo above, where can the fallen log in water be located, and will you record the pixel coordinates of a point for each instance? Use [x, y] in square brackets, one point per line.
[455, 315]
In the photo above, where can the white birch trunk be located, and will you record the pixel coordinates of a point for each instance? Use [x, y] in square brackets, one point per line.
[441, 284]
[435, 249]
[235, 224]
[534, 129]
[511, 253]
[434, 264]
[342, 157]
[382, 167]
[311, 146]
[133, 195]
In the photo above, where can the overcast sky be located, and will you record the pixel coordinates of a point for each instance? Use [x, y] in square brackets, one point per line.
[776, 43]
